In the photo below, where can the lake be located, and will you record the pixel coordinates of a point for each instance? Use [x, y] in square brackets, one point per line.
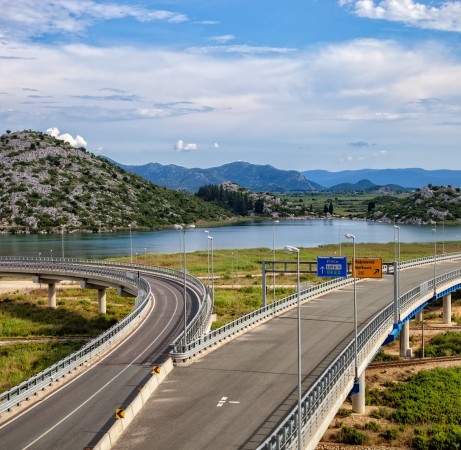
[299, 233]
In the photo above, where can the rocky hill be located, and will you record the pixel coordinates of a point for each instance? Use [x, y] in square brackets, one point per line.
[430, 204]
[46, 184]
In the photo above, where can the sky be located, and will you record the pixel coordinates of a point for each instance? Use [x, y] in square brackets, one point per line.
[297, 84]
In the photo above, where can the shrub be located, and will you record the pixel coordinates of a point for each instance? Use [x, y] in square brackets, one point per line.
[380, 413]
[344, 412]
[372, 426]
[390, 434]
[349, 435]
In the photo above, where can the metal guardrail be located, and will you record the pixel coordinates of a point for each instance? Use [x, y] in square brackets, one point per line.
[126, 275]
[331, 380]
[339, 375]
[192, 348]
[196, 326]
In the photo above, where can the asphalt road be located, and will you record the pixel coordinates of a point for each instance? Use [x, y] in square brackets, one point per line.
[235, 396]
[76, 416]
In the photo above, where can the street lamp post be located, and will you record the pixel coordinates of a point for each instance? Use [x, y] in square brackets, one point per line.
[291, 249]
[210, 238]
[62, 240]
[396, 273]
[208, 256]
[51, 252]
[443, 235]
[435, 258]
[274, 222]
[131, 247]
[184, 229]
[351, 236]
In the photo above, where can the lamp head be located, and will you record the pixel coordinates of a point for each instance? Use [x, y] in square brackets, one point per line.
[291, 249]
[349, 236]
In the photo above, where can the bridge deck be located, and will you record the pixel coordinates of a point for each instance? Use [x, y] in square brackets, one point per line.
[235, 396]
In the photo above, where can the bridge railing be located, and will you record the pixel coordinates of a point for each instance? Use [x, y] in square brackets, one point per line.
[339, 376]
[192, 348]
[128, 275]
[40, 381]
[196, 326]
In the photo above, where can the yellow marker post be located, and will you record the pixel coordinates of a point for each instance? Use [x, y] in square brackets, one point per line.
[156, 370]
[119, 413]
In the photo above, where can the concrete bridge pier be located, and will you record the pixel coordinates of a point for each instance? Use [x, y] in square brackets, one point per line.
[405, 350]
[51, 289]
[102, 301]
[358, 399]
[419, 316]
[52, 295]
[447, 309]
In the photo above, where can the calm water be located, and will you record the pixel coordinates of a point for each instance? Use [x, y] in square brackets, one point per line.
[299, 233]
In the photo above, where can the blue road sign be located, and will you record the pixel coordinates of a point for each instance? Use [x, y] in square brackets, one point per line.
[333, 267]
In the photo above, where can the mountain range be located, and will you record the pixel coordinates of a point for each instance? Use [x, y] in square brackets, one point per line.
[266, 178]
[409, 178]
[256, 178]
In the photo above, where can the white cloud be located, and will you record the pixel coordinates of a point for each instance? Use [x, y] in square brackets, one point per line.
[260, 105]
[31, 17]
[181, 146]
[223, 39]
[78, 141]
[242, 49]
[446, 17]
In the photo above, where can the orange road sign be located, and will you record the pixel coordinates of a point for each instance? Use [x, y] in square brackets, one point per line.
[119, 413]
[156, 370]
[367, 267]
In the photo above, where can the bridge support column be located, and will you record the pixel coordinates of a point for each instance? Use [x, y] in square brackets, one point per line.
[358, 399]
[405, 350]
[52, 295]
[419, 316]
[102, 301]
[447, 309]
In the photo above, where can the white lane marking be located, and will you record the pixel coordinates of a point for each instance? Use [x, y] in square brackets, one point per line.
[103, 387]
[221, 402]
[224, 400]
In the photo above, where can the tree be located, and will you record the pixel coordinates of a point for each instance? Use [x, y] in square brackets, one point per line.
[259, 206]
[325, 209]
[330, 208]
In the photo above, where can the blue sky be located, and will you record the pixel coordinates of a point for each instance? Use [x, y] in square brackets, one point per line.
[298, 84]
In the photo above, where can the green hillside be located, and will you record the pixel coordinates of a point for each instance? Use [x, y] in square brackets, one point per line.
[46, 184]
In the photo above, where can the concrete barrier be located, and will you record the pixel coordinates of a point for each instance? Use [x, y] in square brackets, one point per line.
[115, 431]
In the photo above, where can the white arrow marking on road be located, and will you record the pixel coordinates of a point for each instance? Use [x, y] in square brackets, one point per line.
[221, 402]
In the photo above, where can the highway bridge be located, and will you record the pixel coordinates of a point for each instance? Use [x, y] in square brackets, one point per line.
[242, 394]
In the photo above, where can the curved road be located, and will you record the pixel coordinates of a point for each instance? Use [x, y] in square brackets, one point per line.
[76, 415]
[235, 396]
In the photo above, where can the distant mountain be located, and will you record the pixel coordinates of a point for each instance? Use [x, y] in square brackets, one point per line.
[256, 178]
[409, 178]
[46, 184]
[367, 186]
